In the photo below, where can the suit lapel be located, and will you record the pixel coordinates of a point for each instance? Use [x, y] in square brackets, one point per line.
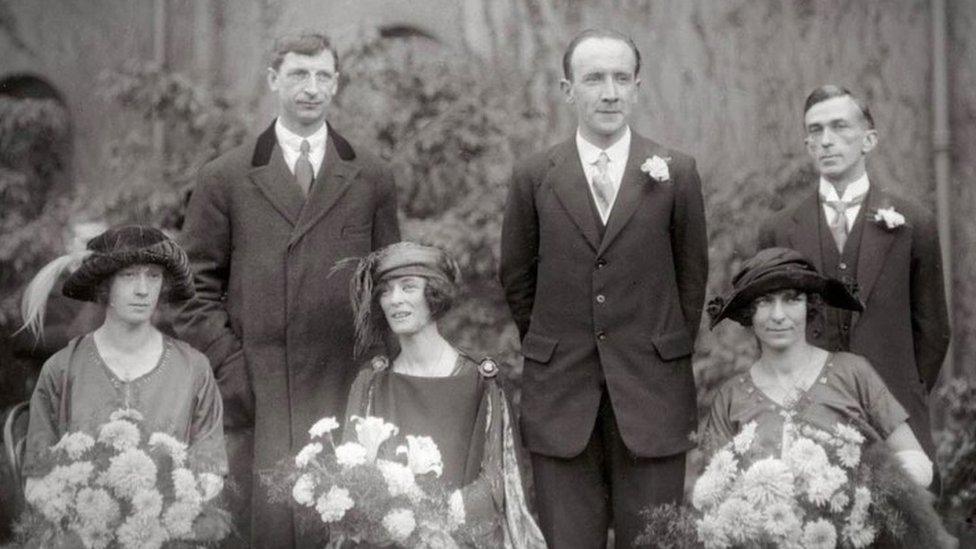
[875, 242]
[572, 189]
[277, 185]
[632, 186]
[805, 235]
[332, 182]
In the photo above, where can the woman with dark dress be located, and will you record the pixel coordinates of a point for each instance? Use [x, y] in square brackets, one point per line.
[428, 388]
[794, 382]
[126, 363]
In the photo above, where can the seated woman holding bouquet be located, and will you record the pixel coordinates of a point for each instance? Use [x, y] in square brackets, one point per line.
[126, 363]
[793, 382]
[428, 388]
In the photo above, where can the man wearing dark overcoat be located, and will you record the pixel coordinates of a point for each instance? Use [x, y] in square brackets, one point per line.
[604, 261]
[855, 228]
[265, 225]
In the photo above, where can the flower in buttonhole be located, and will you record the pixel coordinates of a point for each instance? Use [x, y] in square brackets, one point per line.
[141, 532]
[819, 534]
[323, 426]
[743, 441]
[306, 454]
[175, 449]
[372, 432]
[147, 502]
[74, 444]
[399, 523]
[119, 434]
[178, 518]
[210, 485]
[423, 456]
[129, 472]
[657, 168]
[303, 492]
[350, 454]
[129, 414]
[889, 218]
[332, 506]
[767, 481]
[399, 479]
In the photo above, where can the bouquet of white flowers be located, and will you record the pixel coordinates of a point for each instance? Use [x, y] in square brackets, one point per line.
[367, 495]
[124, 488]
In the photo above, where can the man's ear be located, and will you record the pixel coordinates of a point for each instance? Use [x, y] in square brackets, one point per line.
[870, 141]
[272, 79]
[567, 88]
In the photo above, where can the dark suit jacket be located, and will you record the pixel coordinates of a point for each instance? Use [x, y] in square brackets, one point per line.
[904, 329]
[276, 327]
[627, 306]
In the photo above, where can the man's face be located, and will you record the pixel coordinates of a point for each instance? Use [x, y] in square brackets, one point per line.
[304, 86]
[838, 139]
[603, 88]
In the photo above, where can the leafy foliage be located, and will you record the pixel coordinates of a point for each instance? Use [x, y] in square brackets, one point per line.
[956, 452]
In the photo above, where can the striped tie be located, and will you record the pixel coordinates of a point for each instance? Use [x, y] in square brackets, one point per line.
[602, 186]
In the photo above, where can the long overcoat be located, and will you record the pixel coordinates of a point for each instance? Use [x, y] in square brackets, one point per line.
[904, 329]
[276, 325]
[624, 308]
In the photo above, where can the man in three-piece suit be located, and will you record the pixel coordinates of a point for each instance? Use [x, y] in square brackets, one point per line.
[265, 224]
[854, 228]
[604, 261]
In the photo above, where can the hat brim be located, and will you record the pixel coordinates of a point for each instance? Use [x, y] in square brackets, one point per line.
[832, 291]
[83, 284]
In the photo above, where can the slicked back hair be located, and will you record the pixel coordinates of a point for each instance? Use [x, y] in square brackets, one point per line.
[303, 43]
[597, 33]
[830, 91]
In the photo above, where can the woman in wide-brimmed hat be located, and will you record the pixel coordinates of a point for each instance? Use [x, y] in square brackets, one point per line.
[427, 387]
[793, 382]
[126, 363]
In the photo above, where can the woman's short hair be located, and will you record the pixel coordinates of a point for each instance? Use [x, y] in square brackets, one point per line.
[744, 315]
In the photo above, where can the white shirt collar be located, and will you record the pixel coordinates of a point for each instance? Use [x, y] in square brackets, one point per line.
[857, 188]
[589, 153]
[292, 141]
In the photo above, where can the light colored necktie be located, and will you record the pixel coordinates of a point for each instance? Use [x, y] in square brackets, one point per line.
[303, 168]
[838, 228]
[602, 186]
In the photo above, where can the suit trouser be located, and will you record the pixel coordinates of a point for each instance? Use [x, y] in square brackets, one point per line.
[580, 497]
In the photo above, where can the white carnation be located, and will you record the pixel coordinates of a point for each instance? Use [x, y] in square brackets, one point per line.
[306, 454]
[303, 492]
[332, 506]
[74, 444]
[323, 426]
[399, 479]
[350, 454]
[119, 434]
[399, 523]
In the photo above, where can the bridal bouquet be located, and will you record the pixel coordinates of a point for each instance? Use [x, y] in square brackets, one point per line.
[809, 497]
[124, 488]
[365, 491]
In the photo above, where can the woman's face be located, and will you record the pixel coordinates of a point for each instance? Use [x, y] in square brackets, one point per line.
[134, 292]
[780, 320]
[404, 304]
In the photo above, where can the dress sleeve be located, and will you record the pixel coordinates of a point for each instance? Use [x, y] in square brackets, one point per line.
[484, 497]
[717, 428]
[884, 411]
[43, 428]
[207, 450]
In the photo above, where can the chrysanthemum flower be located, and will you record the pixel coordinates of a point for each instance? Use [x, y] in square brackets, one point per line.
[119, 434]
[74, 444]
[178, 518]
[175, 449]
[148, 503]
[767, 481]
[350, 454]
[399, 479]
[185, 486]
[399, 523]
[712, 532]
[96, 508]
[781, 520]
[306, 454]
[130, 472]
[819, 534]
[332, 506]
[303, 492]
[745, 518]
[141, 532]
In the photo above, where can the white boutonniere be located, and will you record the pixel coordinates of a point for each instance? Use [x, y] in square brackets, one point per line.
[657, 168]
[889, 218]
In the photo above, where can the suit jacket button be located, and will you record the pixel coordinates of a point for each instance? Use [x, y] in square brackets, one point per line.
[842, 266]
[602, 336]
[600, 298]
[601, 263]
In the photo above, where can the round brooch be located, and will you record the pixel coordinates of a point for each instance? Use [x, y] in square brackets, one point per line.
[488, 368]
[379, 363]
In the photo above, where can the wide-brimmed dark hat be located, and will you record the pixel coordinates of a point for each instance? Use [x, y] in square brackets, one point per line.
[126, 245]
[775, 269]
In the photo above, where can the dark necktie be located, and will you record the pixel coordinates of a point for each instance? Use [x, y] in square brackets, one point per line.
[838, 228]
[303, 169]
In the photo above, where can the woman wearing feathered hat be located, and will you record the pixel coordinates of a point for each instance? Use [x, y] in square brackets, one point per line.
[775, 293]
[126, 363]
[427, 387]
